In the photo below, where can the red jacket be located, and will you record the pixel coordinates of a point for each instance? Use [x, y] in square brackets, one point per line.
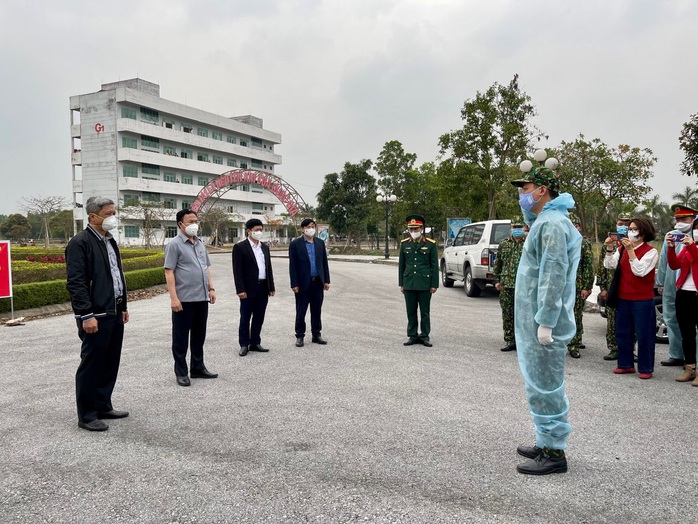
[686, 261]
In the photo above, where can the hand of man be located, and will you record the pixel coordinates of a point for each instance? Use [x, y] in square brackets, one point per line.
[295, 289]
[545, 336]
[326, 287]
[603, 294]
[176, 305]
[125, 317]
[433, 290]
[272, 293]
[242, 296]
[212, 297]
[402, 290]
[660, 290]
[90, 326]
[585, 294]
[498, 286]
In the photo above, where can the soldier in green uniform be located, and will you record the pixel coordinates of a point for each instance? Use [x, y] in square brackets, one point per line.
[585, 281]
[603, 280]
[505, 266]
[418, 279]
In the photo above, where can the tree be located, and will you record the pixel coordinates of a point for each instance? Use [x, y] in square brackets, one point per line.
[16, 227]
[659, 212]
[44, 207]
[151, 215]
[687, 197]
[392, 166]
[688, 142]
[347, 199]
[62, 224]
[496, 134]
[211, 221]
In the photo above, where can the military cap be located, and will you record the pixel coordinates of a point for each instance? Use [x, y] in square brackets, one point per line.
[625, 216]
[415, 220]
[518, 220]
[541, 176]
[575, 219]
[681, 211]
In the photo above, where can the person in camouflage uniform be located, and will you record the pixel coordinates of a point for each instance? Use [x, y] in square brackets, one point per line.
[603, 280]
[505, 266]
[585, 281]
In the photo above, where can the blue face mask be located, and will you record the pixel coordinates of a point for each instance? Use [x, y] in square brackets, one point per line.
[526, 201]
[623, 230]
[517, 232]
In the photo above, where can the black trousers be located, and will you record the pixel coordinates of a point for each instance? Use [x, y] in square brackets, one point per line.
[313, 297]
[99, 365]
[189, 330]
[687, 316]
[252, 311]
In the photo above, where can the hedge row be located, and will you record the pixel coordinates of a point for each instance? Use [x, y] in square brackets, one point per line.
[24, 272]
[37, 294]
[21, 253]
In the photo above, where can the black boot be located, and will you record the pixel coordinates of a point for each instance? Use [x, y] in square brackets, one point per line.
[545, 463]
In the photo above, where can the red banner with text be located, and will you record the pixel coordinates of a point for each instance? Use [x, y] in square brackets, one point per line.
[5, 270]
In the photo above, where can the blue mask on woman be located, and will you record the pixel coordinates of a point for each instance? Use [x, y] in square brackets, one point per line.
[623, 230]
[517, 232]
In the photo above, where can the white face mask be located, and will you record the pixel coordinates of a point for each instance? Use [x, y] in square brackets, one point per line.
[683, 227]
[415, 234]
[257, 235]
[309, 231]
[109, 223]
[633, 235]
[695, 234]
[192, 229]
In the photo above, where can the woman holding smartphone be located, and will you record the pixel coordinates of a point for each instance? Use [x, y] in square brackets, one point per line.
[635, 314]
[686, 298]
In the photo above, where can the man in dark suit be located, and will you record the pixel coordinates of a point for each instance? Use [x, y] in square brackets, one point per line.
[254, 284]
[310, 278]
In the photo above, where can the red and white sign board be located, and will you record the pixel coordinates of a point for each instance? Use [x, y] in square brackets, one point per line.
[5, 270]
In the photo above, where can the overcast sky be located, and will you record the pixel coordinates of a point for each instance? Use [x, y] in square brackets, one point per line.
[338, 79]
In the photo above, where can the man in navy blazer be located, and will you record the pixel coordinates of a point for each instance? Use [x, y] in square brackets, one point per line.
[254, 284]
[310, 278]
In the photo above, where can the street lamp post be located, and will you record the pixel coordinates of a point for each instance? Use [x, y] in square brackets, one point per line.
[388, 199]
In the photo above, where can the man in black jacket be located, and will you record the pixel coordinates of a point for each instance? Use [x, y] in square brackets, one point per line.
[98, 295]
[254, 284]
[310, 278]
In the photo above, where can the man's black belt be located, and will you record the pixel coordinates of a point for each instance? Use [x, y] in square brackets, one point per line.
[261, 281]
[315, 279]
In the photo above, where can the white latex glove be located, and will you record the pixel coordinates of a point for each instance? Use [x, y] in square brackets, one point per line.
[545, 335]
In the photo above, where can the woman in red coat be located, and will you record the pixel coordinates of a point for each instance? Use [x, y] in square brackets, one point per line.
[686, 299]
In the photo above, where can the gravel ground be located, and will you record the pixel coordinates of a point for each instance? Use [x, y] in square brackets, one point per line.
[360, 430]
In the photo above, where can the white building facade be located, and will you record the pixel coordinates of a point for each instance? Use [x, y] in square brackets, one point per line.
[143, 151]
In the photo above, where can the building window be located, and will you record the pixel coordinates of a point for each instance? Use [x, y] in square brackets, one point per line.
[243, 165]
[171, 231]
[243, 143]
[169, 124]
[245, 187]
[186, 204]
[130, 200]
[232, 162]
[169, 177]
[187, 179]
[151, 197]
[127, 141]
[186, 153]
[203, 180]
[131, 171]
[186, 128]
[218, 160]
[256, 164]
[202, 157]
[150, 141]
[256, 142]
[232, 209]
[150, 169]
[169, 203]
[127, 112]
[231, 139]
[131, 231]
[201, 131]
[169, 150]
[150, 115]
[216, 135]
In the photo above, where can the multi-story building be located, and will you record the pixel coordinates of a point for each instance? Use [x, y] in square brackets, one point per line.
[145, 152]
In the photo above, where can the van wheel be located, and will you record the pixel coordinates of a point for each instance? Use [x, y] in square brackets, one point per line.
[471, 288]
[447, 282]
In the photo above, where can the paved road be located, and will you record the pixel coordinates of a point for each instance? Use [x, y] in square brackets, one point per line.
[362, 429]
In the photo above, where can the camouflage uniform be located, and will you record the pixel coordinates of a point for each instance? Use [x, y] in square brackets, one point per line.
[585, 280]
[505, 266]
[603, 280]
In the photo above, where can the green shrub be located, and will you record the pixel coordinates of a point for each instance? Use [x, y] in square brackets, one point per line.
[143, 278]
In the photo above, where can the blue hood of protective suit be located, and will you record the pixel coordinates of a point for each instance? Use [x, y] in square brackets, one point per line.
[562, 203]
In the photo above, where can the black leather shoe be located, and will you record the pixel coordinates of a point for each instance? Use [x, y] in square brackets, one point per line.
[530, 452]
[425, 343]
[93, 425]
[299, 342]
[183, 381]
[319, 340]
[410, 342]
[575, 354]
[203, 373]
[244, 350]
[582, 346]
[543, 464]
[673, 362]
[509, 348]
[113, 414]
[258, 347]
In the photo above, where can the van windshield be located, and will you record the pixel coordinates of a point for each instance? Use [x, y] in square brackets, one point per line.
[500, 232]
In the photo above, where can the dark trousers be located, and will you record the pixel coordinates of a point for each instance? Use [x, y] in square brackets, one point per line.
[252, 312]
[423, 300]
[313, 297]
[687, 316]
[636, 318]
[99, 365]
[189, 330]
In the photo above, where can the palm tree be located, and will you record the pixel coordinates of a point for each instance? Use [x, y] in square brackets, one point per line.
[688, 197]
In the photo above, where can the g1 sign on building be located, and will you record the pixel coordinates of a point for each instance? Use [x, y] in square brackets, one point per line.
[5, 270]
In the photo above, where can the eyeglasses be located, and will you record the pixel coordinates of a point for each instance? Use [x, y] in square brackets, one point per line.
[633, 229]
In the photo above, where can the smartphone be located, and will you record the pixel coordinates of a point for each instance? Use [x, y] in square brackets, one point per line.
[616, 236]
[676, 237]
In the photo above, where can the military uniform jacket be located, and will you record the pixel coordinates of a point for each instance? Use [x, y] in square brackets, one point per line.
[585, 270]
[419, 264]
[604, 276]
[507, 261]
